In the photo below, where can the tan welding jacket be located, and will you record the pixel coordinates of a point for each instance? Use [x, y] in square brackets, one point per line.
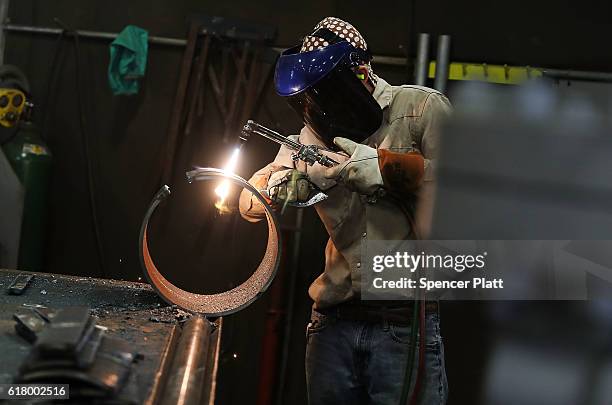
[411, 122]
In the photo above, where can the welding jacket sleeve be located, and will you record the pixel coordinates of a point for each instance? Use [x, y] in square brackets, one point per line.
[425, 130]
[406, 173]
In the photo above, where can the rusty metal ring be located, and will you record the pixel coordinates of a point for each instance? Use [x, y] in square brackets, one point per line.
[226, 302]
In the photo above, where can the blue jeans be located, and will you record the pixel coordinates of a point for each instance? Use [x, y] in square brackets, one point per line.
[358, 362]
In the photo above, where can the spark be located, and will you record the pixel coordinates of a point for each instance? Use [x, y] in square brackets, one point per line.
[223, 188]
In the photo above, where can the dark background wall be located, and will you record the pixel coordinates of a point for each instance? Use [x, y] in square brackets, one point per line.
[127, 136]
[127, 140]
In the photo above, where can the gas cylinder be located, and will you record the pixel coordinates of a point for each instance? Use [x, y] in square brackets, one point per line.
[32, 161]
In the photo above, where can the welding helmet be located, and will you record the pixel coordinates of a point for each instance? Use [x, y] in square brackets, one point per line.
[322, 87]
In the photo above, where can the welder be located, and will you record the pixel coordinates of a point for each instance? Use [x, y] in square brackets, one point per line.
[386, 138]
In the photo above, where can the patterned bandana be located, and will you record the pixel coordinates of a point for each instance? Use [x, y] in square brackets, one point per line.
[343, 30]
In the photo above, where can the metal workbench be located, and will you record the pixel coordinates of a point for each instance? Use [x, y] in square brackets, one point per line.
[131, 311]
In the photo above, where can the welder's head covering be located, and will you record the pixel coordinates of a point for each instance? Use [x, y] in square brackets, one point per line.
[318, 79]
[344, 30]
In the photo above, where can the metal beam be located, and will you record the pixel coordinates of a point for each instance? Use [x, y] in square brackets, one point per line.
[377, 59]
[422, 60]
[501, 74]
[504, 74]
[443, 59]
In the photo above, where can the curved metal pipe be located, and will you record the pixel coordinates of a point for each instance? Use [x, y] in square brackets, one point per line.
[226, 302]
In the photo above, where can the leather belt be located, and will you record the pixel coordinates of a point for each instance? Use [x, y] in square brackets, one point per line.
[367, 312]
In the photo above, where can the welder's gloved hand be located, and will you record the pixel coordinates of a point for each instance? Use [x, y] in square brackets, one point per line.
[360, 172]
[288, 186]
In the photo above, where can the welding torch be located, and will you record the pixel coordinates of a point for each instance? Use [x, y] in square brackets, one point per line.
[306, 153]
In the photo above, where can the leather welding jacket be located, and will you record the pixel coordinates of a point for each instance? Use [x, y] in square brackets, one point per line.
[411, 121]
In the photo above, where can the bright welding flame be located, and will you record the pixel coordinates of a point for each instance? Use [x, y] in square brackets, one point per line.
[222, 189]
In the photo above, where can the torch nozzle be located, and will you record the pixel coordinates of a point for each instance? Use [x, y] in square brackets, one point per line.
[244, 137]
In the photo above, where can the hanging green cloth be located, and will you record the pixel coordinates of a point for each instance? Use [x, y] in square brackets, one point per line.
[128, 60]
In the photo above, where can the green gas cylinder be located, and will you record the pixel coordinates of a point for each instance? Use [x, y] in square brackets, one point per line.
[31, 159]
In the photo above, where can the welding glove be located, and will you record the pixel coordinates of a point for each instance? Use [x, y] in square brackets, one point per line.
[403, 173]
[360, 173]
[288, 186]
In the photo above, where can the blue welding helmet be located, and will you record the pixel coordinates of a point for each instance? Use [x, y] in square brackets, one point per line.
[322, 87]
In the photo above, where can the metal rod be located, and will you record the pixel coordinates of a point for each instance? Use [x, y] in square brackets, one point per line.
[184, 384]
[4, 6]
[382, 60]
[442, 63]
[378, 59]
[422, 60]
[577, 75]
[89, 34]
